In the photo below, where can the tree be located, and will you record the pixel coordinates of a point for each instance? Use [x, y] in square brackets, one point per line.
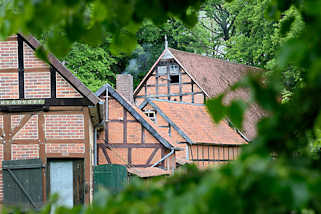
[289, 181]
[91, 21]
[91, 65]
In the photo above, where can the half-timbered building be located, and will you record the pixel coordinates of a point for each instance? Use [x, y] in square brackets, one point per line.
[47, 118]
[202, 142]
[129, 137]
[173, 94]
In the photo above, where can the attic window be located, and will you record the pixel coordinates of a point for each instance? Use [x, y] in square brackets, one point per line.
[173, 69]
[162, 70]
[150, 114]
[174, 78]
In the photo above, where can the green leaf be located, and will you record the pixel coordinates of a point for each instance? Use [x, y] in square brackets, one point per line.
[235, 113]
[216, 108]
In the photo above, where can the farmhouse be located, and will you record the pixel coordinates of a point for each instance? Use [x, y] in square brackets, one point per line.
[173, 94]
[47, 120]
[56, 136]
[129, 137]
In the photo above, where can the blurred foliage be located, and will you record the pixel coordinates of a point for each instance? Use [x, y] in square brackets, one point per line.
[279, 171]
[90, 21]
[93, 66]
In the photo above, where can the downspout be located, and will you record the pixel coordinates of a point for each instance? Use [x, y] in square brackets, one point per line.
[95, 146]
[165, 157]
[100, 104]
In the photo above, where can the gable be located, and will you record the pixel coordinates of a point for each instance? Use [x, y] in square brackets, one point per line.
[27, 80]
[135, 113]
[167, 80]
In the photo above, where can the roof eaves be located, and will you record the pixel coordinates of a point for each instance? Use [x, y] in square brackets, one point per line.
[191, 76]
[159, 111]
[34, 43]
[138, 117]
[148, 73]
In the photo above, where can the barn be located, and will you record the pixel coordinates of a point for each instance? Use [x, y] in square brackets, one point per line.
[47, 120]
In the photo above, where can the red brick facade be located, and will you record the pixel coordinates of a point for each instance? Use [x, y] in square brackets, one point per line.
[8, 54]
[64, 89]
[37, 84]
[64, 126]
[159, 85]
[9, 85]
[124, 129]
[57, 126]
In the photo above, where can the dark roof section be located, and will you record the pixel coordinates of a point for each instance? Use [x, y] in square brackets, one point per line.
[194, 123]
[137, 114]
[73, 80]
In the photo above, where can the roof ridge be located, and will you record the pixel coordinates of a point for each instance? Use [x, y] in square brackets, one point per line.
[215, 59]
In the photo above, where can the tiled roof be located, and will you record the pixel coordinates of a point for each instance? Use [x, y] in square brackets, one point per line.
[159, 134]
[215, 76]
[197, 124]
[148, 171]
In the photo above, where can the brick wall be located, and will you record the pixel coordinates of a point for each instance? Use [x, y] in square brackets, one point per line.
[15, 120]
[141, 155]
[174, 88]
[37, 85]
[24, 151]
[9, 86]
[29, 130]
[64, 126]
[8, 54]
[30, 59]
[65, 148]
[124, 85]
[64, 89]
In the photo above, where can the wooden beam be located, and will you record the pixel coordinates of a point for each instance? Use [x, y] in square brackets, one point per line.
[152, 155]
[135, 145]
[103, 148]
[124, 125]
[22, 123]
[53, 81]
[7, 137]
[87, 163]
[21, 68]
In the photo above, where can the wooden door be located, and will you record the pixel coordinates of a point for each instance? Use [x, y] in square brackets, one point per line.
[66, 178]
[22, 183]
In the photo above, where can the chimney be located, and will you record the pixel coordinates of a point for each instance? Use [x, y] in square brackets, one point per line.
[124, 85]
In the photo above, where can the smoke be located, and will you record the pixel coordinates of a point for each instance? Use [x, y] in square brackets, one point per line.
[139, 62]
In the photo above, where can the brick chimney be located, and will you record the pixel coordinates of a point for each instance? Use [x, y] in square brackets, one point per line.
[124, 85]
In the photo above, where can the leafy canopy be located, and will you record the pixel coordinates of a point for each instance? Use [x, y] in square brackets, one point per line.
[90, 21]
[279, 172]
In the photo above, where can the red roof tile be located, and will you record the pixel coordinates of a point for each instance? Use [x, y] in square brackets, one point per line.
[197, 124]
[215, 76]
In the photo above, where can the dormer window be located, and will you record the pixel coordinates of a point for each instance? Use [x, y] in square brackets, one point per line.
[151, 114]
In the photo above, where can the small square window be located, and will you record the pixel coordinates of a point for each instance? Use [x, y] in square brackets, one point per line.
[174, 79]
[150, 114]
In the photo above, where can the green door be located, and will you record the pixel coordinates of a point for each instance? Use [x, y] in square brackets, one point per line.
[112, 177]
[22, 183]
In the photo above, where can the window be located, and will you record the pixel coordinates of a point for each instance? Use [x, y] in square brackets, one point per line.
[150, 114]
[173, 69]
[174, 79]
[162, 70]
